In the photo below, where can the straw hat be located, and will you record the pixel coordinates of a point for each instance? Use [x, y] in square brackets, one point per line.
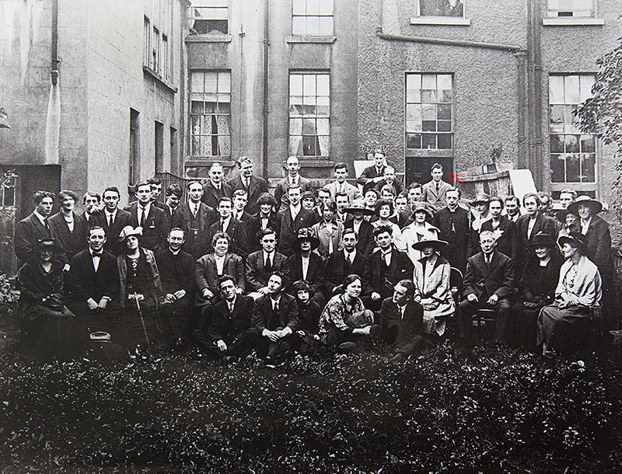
[593, 204]
[128, 231]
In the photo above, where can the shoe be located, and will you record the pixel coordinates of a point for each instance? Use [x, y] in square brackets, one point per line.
[347, 347]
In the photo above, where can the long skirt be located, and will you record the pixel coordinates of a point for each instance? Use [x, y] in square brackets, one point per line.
[47, 333]
[562, 328]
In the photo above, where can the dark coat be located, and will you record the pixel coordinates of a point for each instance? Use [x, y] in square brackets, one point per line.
[454, 229]
[369, 172]
[253, 228]
[337, 269]
[155, 230]
[227, 326]
[256, 274]
[28, 231]
[83, 282]
[206, 273]
[382, 279]
[396, 185]
[287, 228]
[309, 317]
[121, 219]
[599, 245]
[263, 317]
[365, 243]
[315, 272]
[394, 328]
[509, 241]
[153, 275]
[176, 271]
[236, 232]
[211, 195]
[280, 192]
[72, 242]
[484, 281]
[539, 283]
[197, 241]
[257, 187]
[543, 224]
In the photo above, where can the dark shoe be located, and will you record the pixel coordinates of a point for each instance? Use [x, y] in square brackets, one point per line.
[347, 347]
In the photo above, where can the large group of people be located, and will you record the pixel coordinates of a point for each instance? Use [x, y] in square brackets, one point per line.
[231, 268]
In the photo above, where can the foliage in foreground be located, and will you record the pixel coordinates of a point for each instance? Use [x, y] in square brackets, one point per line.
[499, 410]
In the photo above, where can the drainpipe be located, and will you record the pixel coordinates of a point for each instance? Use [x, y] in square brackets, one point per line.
[534, 78]
[55, 60]
[447, 42]
[266, 48]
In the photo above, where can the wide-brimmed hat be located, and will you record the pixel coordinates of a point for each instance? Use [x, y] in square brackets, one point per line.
[49, 243]
[422, 207]
[128, 231]
[574, 238]
[358, 205]
[593, 204]
[481, 198]
[307, 234]
[429, 242]
[542, 240]
[561, 212]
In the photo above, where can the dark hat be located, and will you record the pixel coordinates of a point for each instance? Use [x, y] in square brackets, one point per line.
[421, 206]
[561, 213]
[307, 234]
[593, 204]
[575, 238]
[358, 205]
[429, 242]
[481, 198]
[49, 243]
[128, 231]
[542, 240]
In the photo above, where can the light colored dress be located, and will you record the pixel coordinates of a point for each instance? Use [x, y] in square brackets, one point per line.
[432, 282]
[413, 233]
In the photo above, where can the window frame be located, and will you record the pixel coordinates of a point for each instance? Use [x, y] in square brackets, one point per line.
[571, 20]
[225, 4]
[420, 19]
[307, 16]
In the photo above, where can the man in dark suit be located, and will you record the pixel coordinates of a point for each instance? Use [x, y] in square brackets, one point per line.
[275, 318]
[372, 175]
[196, 217]
[172, 197]
[503, 228]
[435, 191]
[235, 229]
[487, 284]
[529, 225]
[112, 220]
[293, 179]
[401, 321]
[261, 264]
[34, 227]
[240, 202]
[230, 332]
[291, 220]
[364, 230]
[69, 227]
[152, 219]
[387, 266]
[177, 278]
[216, 187]
[390, 179]
[307, 265]
[246, 181]
[92, 204]
[93, 287]
[454, 225]
[265, 218]
[345, 262]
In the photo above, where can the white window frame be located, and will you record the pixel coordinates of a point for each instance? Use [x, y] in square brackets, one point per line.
[308, 12]
[554, 7]
[420, 19]
[210, 10]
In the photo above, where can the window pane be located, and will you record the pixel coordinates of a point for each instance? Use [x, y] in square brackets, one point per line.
[295, 85]
[572, 143]
[299, 25]
[413, 141]
[326, 25]
[444, 112]
[429, 141]
[444, 126]
[298, 7]
[557, 169]
[308, 82]
[323, 85]
[196, 81]
[587, 144]
[413, 95]
[556, 89]
[571, 90]
[588, 165]
[429, 112]
[413, 81]
[557, 118]
[429, 126]
[323, 143]
[586, 83]
[445, 96]
[295, 127]
[326, 7]
[573, 171]
[309, 147]
[428, 97]
[444, 141]
[428, 81]
[313, 25]
[444, 82]
[313, 7]
[441, 8]
[557, 146]
[413, 116]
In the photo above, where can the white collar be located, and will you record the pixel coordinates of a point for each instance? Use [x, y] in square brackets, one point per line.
[40, 217]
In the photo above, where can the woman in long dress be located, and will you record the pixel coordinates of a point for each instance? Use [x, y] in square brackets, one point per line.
[417, 230]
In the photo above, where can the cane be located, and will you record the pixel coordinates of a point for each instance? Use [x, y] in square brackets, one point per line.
[142, 320]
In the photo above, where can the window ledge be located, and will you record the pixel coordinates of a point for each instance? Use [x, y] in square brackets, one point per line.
[209, 39]
[150, 72]
[573, 21]
[316, 162]
[440, 20]
[310, 39]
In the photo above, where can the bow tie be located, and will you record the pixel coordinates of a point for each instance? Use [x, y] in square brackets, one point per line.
[97, 254]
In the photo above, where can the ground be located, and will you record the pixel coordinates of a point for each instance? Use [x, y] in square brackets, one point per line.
[497, 410]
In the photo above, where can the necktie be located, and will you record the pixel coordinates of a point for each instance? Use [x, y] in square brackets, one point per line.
[247, 182]
[97, 254]
[45, 223]
[109, 221]
[268, 264]
[437, 187]
[349, 258]
[222, 224]
[230, 306]
[195, 209]
[141, 216]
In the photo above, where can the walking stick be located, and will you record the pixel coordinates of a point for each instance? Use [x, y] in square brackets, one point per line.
[142, 320]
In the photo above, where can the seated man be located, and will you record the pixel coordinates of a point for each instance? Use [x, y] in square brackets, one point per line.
[401, 321]
[487, 284]
[307, 265]
[275, 317]
[230, 332]
[261, 264]
[177, 277]
[346, 262]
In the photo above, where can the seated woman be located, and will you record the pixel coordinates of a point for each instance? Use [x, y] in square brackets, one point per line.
[578, 293]
[432, 285]
[47, 324]
[308, 317]
[344, 318]
[536, 288]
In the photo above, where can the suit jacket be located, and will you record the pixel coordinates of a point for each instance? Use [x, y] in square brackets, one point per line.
[369, 172]
[27, 232]
[454, 229]
[253, 228]
[211, 195]
[256, 188]
[484, 280]
[381, 278]
[121, 219]
[280, 192]
[155, 230]
[398, 330]
[337, 268]
[176, 271]
[366, 242]
[153, 274]
[599, 245]
[315, 272]
[543, 224]
[396, 185]
[509, 241]
[72, 241]
[197, 241]
[287, 229]
[256, 274]
[264, 317]
[237, 232]
[436, 199]
[83, 282]
[227, 326]
[206, 272]
[352, 191]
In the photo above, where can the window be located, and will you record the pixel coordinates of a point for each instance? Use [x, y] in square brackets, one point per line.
[570, 9]
[453, 8]
[312, 17]
[155, 43]
[134, 158]
[156, 34]
[147, 43]
[573, 154]
[309, 114]
[210, 114]
[159, 147]
[210, 17]
[165, 53]
[429, 99]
